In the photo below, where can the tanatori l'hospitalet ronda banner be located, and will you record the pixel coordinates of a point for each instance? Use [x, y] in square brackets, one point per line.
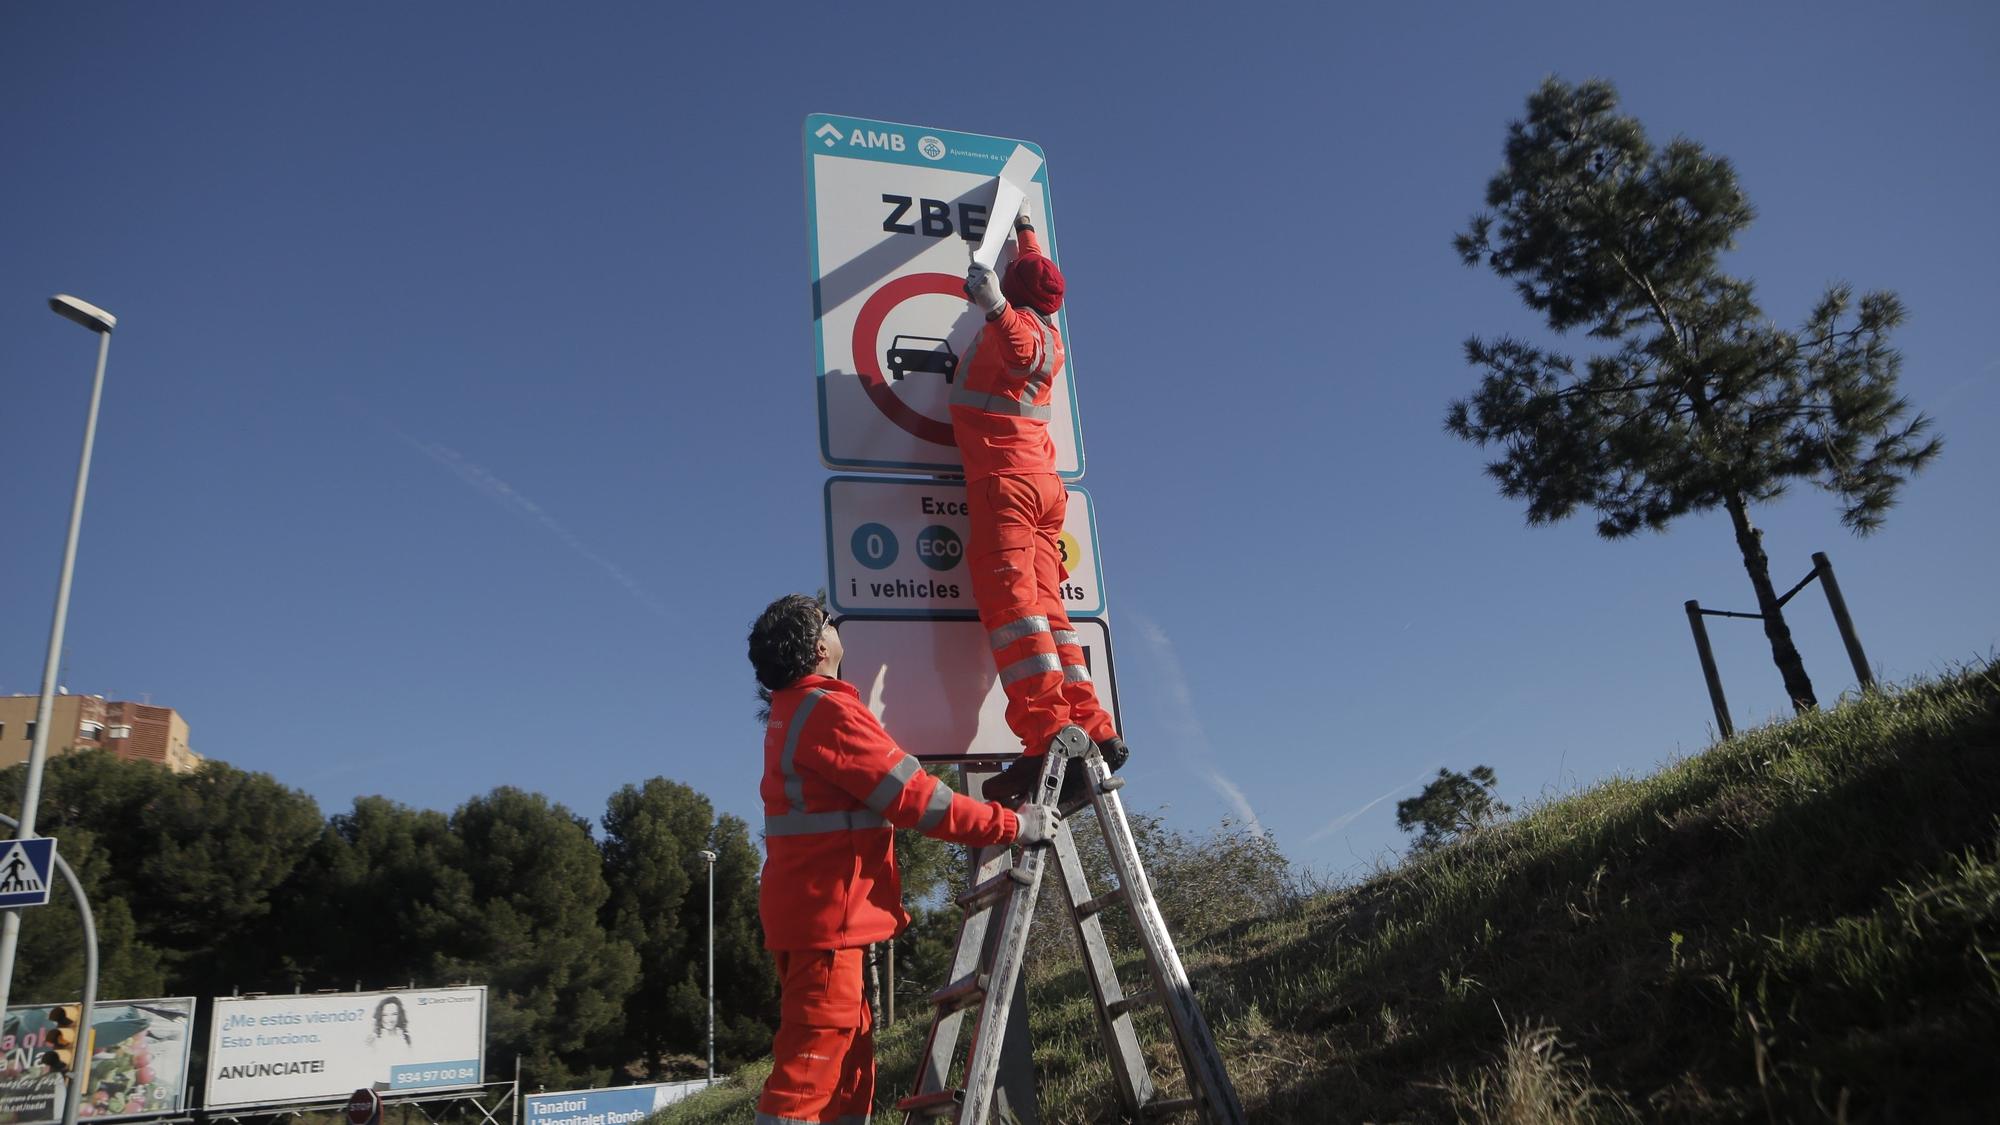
[277, 1050]
[138, 1063]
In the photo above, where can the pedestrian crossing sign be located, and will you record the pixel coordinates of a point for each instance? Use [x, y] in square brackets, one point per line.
[25, 867]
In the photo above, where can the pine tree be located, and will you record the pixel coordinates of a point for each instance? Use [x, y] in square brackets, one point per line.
[1703, 403]
[1453, 806]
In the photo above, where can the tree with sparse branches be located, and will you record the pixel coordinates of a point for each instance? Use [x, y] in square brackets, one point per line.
[1453, 806]
[1702, 402]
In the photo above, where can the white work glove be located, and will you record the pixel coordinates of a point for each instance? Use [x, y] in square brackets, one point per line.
[1026, 219]
[984, 291]
[1038, 825]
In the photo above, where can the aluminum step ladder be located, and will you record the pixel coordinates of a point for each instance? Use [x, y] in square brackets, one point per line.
[1000, 905]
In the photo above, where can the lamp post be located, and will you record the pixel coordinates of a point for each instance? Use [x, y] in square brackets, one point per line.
[100, 322]
[709, 857]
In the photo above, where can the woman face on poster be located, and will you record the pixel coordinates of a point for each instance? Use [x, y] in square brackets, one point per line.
[392, 1022]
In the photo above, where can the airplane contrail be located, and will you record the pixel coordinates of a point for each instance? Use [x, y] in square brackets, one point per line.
[1190, 723]
[521, 505]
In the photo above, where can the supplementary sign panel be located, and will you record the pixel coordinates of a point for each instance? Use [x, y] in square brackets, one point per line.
[933, 685]
[895, 212]
[25, 867]
[278, 1050]
[899, 548]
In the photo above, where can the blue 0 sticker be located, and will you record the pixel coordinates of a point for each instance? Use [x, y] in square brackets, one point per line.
[938, 547]
[874, 546]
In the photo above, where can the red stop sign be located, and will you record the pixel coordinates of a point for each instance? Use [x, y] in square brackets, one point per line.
[364, 1107]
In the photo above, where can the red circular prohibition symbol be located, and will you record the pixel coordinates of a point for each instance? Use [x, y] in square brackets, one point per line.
[868, 330]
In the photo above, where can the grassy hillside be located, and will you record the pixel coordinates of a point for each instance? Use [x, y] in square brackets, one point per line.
[1800, 925]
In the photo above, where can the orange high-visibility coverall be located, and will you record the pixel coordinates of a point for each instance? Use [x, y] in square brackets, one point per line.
[835, 787]
[1000, 419]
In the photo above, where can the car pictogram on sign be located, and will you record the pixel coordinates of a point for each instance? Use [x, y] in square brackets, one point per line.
[905, 356]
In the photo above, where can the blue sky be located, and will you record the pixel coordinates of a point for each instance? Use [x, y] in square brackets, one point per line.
[461, 413]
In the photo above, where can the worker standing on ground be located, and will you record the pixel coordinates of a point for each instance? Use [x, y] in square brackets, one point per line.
[1000, 418]
[835, 787]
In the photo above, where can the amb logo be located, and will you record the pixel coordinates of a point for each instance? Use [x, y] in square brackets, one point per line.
[830, 135]
[869, 138]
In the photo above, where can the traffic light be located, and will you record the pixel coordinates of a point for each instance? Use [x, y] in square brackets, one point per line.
[60, 1041]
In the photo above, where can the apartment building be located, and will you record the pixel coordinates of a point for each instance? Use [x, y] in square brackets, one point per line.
[138, 732]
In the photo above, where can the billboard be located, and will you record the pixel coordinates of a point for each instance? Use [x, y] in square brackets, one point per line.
[138, 1062]
[274, 1050]
[617, 1106]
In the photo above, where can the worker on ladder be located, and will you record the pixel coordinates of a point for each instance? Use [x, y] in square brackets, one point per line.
[835, 788]
[1000, 419]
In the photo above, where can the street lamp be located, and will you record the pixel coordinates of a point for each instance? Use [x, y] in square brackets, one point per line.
[100, 322]
[709, 858]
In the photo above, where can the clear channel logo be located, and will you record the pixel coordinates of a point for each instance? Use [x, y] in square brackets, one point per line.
[931, 148]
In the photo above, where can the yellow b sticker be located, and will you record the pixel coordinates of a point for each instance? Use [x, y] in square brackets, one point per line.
[1072, 551]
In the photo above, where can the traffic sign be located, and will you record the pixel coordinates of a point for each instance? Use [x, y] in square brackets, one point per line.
[899, 548]
[895, 213]
[364, 1107]
[25, 867]
[933, 685]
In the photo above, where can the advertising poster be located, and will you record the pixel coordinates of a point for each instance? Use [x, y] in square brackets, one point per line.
[621, 1105]
[275, 1050]
[138, 1065]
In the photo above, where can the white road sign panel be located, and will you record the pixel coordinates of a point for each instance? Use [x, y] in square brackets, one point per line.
[895, 213]
[933, 685]
[898, 548]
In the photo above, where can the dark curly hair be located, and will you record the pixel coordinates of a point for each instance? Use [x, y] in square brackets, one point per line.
[784, 643]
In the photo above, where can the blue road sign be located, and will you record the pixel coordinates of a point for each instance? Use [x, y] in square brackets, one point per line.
[25, 867]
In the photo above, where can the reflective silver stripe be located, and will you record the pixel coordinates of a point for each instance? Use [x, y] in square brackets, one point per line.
[1045, 366]
[795, 786]
[1068, 637]
[891, 787]
[1076, 673]
[810, 823]
[1039, 370]
[1043, 352]
[934, 810]
[996, 403]
[1031, 666]
[1014, 630]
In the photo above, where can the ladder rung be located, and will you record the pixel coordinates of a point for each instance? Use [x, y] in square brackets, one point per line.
[1086, 909]
[1136, 1000]
[963, 994]
[997, 887]
[1162, 1108]
[934, 1104]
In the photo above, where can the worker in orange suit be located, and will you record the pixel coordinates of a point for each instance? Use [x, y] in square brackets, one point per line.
[835, 788]
[1000, 419]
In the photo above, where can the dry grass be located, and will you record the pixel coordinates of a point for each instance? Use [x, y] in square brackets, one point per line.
[1535, 1082]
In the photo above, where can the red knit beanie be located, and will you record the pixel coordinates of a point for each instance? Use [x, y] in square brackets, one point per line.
[1033, 281]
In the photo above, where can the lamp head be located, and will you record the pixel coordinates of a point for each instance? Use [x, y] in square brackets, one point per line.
[708, 856]
[83, 312]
